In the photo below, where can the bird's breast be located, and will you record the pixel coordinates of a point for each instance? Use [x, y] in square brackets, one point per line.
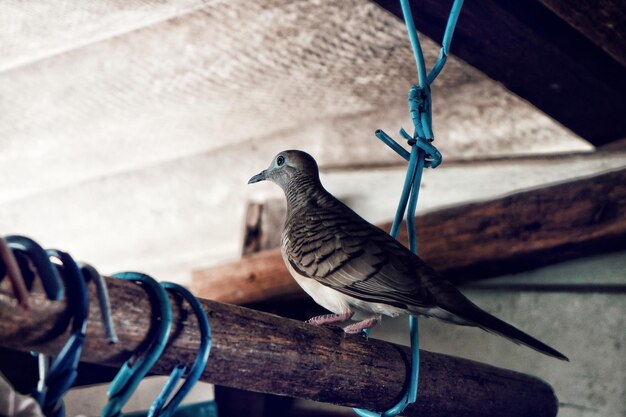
[327, 297]
[336, 301]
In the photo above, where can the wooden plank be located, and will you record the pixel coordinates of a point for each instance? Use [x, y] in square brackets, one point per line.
[617, 145]
[529, 229]
[537, 56]
[519, 232]
[602, 21]
[266, 353]
[614, 151]
[39, 31]
[257, 277]
[261, 222]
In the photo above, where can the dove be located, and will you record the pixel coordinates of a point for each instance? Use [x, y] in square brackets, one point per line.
[356, 270]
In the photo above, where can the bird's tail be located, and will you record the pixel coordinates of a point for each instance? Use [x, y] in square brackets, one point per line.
[478, 317]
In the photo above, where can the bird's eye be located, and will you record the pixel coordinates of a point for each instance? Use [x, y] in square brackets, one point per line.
[280, 160]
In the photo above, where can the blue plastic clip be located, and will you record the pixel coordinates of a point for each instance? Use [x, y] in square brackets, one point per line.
[63, 371]
[91, 274]
[10, 267]
[158, 408]
[49, 276]
[134, 369]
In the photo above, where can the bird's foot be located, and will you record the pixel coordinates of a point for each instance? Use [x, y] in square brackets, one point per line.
[362, 325]
[329, 319]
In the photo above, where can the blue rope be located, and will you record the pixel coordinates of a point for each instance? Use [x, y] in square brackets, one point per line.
[423, 155]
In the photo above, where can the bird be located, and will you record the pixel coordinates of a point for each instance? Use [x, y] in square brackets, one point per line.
[356, 270]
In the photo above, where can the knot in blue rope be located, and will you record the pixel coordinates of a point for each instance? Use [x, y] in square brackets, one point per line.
[432, 156]
[420, 107]
[420, 104]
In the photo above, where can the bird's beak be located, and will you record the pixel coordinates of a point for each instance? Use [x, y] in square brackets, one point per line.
[261, 176]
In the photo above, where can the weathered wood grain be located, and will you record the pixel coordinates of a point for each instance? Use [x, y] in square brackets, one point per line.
[537, 56]
[527, 230]
[256, 277]
[266, 353]
[262, 222]
[519, 232]
[603, 22]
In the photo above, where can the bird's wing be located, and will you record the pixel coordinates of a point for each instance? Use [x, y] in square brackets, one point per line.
[343, 251]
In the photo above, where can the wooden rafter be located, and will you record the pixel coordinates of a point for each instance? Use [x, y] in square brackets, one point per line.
[479, 240]
[538, 56]
[602, 21]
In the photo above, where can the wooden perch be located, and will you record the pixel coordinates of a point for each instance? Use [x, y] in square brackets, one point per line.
[266, 353]
[506, 235]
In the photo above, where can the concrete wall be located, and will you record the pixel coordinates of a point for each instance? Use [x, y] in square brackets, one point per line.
[588, 326]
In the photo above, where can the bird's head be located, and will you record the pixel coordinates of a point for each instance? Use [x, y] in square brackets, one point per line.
[287, 165]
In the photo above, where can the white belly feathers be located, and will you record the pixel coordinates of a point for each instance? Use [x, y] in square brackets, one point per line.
[338, 302]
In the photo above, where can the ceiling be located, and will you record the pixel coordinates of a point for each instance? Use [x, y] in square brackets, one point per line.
[129, 129]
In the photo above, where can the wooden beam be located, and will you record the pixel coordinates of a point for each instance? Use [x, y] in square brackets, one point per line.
[266, 353]
[601, 21]
[511, 234]
[259, 219]
[537, 56]
[528, 229]
[615, 151]
[256, 277]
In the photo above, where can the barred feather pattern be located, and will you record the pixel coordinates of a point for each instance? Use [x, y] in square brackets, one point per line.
[326, 241]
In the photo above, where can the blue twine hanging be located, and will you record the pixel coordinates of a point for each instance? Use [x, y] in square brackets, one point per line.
[423, 155]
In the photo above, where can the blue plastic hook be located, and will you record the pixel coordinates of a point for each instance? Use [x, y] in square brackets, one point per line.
[91, 274]
[158, 408]
[134, 369]
[49, 276]
[10, 267]
[62, 372]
